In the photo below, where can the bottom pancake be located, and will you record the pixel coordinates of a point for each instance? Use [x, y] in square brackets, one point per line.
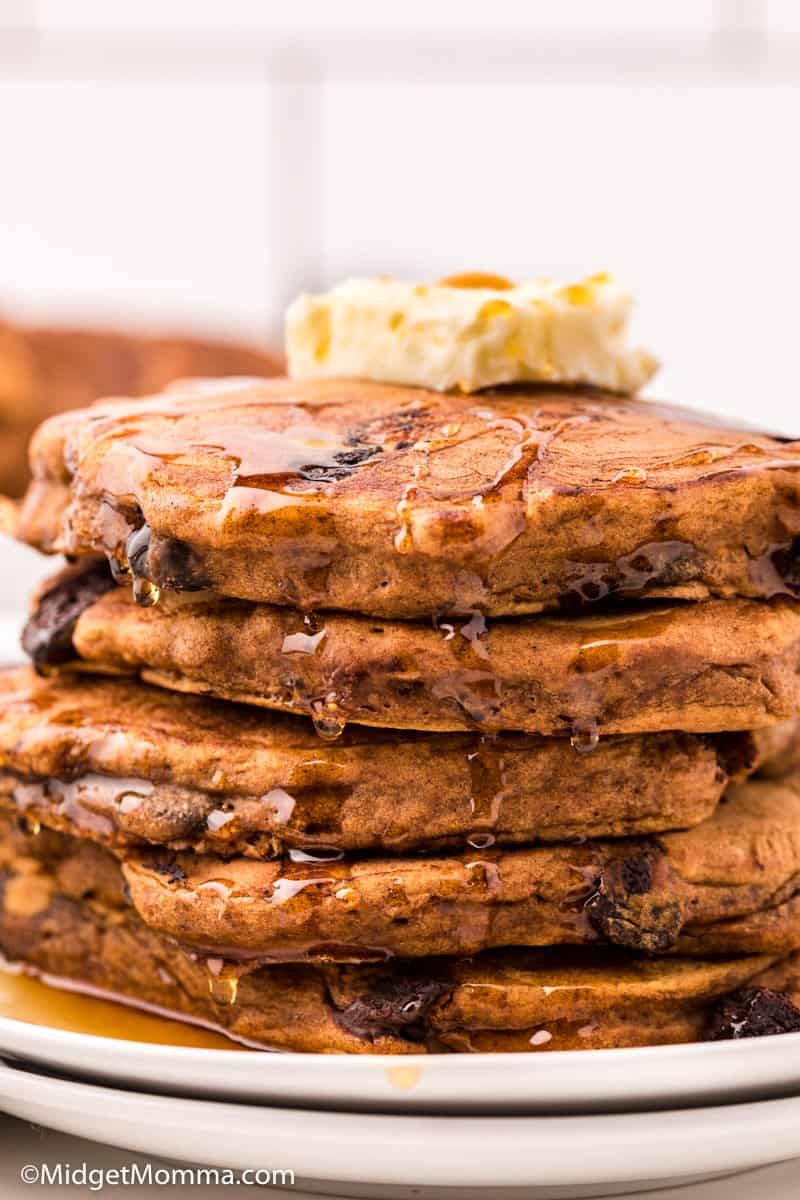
[76, 927]
[514, 1000]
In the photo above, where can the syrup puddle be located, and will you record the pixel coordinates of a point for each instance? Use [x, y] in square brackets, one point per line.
[35, 1003]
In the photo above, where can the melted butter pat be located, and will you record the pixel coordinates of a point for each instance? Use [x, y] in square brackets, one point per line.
[468, 332]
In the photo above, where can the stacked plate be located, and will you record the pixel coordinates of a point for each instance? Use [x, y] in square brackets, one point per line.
[564, 1124]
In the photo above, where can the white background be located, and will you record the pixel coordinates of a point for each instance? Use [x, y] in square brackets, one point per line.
[153, 171]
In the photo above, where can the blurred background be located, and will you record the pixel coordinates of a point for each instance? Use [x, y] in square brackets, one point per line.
[189, 165]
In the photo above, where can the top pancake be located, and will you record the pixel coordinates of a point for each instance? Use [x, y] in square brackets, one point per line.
[397, 501]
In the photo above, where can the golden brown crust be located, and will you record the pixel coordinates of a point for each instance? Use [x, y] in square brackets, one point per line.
[401, 502]
[711, 667]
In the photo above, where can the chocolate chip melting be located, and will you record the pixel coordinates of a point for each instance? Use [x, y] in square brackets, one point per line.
[47, 636]
[626, 907]
[396, 1008]
[752, 1012]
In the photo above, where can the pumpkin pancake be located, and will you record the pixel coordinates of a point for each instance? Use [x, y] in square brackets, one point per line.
[727, 886]
[716, 666]
[127, 764]
[76, 929]
[402, 502]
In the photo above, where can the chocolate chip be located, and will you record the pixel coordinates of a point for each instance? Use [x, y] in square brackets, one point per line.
[172, 871]
[359, 454]
[392, 429]
[787, 564]
[47, 636]
[175, 566]
[736, 753]
[626, 910]
[636, 874]
[169, 562]
[344, 463]
[752, 1012]
[395, 1008]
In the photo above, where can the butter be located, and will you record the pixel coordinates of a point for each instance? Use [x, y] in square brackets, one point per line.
[468, 332]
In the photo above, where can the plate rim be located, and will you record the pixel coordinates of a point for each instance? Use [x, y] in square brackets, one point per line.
[626, 1146]
[455, 1062]
[685, 1049]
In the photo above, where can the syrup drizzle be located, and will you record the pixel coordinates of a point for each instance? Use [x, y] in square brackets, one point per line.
[528, 438]
[218, 818]
[585, 736]
[653, 562]
[54, 1003]
[271, 468]
[326, 717]
[281, 803]
[223, 980]
[321, 854]
[287, 887]
[487, 791]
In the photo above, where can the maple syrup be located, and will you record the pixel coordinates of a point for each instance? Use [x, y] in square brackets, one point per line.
[487, 791]
[269, 468]
[90, 803]
[23, 998]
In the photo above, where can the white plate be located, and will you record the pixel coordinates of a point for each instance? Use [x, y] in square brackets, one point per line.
[561, 1081]
[382, 1155]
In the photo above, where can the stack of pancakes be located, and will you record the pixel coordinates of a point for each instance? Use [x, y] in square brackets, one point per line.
[375, 719]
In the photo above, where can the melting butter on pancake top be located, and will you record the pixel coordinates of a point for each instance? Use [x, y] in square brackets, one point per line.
[468, 332]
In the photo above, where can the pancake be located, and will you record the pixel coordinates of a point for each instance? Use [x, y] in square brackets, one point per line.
[728, 886]
[400, 502]
[716, 666]
[78, 930]
[127, 764]
[45, 370]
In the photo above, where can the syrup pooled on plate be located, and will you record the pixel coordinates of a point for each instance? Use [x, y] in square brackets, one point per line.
[23, 998]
